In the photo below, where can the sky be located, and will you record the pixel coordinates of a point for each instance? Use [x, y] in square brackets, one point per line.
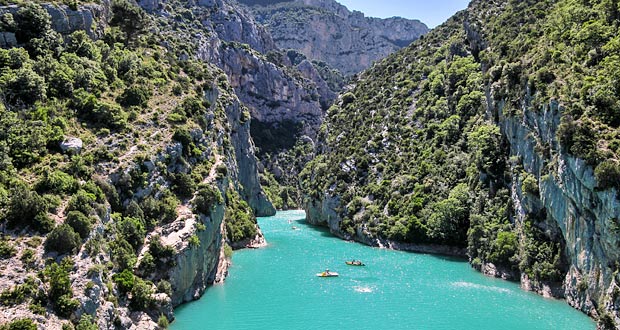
[430, 12]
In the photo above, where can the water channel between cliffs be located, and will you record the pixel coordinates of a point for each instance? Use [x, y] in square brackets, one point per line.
[277, 288]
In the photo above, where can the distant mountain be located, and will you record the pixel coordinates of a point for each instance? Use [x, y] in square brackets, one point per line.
[326, 30]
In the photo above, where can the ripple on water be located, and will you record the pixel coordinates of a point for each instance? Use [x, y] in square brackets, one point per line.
[363, 289]
[474, 286]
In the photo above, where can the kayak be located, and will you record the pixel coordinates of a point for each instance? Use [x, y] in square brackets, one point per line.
[355, 263]
[324, 274]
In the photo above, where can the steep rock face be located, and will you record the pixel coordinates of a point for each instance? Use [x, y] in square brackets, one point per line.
[274, 90]
[328, 31]
[233, 41]
[582, 214]
[245, 167]
[197, 267]
[270, 92]
[90, 18]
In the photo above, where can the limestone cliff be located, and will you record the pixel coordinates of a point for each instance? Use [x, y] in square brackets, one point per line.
[91, 18]
[328, 31]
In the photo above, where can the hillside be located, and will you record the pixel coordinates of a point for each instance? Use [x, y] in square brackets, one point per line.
[495, 135]
[327, 31]
[128, 170]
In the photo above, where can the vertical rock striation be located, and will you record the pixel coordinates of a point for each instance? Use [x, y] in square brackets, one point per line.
[326, 30]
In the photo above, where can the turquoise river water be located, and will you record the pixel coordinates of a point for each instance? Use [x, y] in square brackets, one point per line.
[276, 288]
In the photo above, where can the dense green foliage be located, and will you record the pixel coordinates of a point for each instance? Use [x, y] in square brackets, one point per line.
[566, 51]
[63, 239]
[60, 292]
[401, 144]
[240, 220]
[129, 97]
[414, 154]
[21, 324]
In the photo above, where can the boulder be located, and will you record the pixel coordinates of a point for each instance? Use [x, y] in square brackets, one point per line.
[71, 145]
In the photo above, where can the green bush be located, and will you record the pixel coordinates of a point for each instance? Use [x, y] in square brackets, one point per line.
[184, 185]
[66, 305]
[129, 17]
[23, 87]
[135, 95]
[80, 223]
[81, 201]
[60, 292]
[194, 241]
[98, 113]
[20, 293]
[87, 322]
[206, 198]
[123, 254]
[21, 324]
[141, 295]
[239, 218]
[162, 322]
[164, 287]
[132, 230]
[28, 208]
[125, 281]
[183, 136]
[530, 185]
[607, 175]
[63, 239]
[32, 22]
[7, 250]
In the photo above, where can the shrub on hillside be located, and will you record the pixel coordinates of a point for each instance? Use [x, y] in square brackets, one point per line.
[125, 281]
[82, 201]
[607, 174]
[136, 95]
[63, 239]
[80, 223]
[32, 22]
[206, 198]
[58, 182]
[28, 208]
[21, 324]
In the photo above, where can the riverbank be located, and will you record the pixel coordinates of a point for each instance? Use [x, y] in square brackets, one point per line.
[276, 288]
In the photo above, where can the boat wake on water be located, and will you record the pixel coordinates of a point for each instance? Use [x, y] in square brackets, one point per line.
[363, 289]
[469, 285]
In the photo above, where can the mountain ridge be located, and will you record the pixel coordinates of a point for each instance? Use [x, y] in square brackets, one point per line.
[326, 30]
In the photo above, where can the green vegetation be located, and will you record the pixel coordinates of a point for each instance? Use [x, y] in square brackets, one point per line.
[414, 152]
[63, 239]
[207, 197]
[21, 324]
[60, 292]
[400, 148]
[128, 98]
[240, 220]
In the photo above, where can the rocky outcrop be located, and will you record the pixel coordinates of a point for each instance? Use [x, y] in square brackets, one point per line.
[71, 145]
[578, 213]
[246, 169]
[328, 31]
[196, 266]
[271, 93]
[90, 18]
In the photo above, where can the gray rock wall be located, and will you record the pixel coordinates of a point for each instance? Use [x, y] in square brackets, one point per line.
[196, 266]
[582, 214]
[328, 31]
[91, 18]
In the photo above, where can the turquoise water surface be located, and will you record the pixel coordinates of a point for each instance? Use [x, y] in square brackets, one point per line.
[277, 288]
